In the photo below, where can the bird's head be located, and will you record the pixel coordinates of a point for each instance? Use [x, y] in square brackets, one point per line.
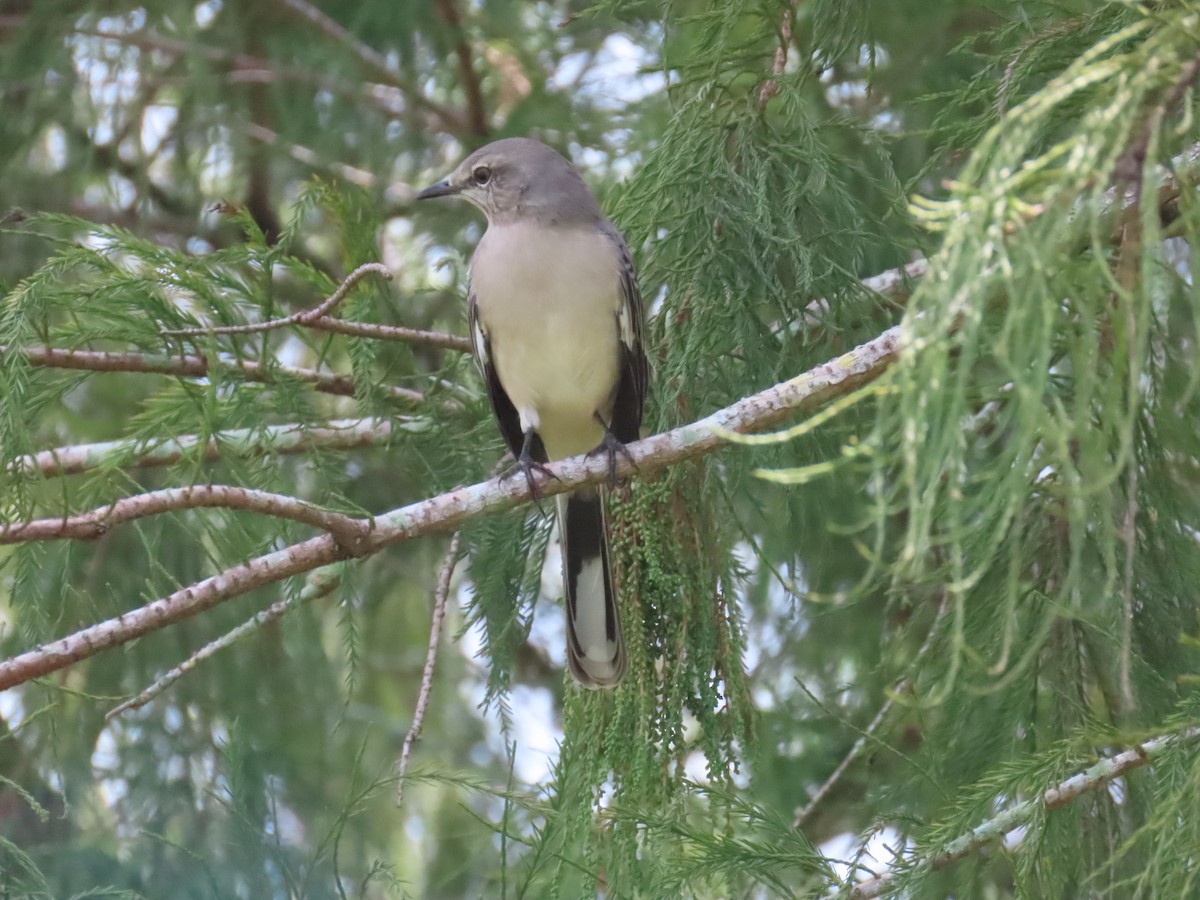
[519, 178]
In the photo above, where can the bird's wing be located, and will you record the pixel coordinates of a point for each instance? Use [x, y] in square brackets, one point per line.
[502, 407]
[630, 395]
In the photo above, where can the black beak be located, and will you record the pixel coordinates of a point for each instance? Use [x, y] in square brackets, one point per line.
[441, 189]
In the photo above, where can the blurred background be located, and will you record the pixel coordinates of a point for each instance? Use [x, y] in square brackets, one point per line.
[947, 614]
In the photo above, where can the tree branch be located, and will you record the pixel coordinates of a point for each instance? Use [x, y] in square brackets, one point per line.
[242, 67]
[365, 54]
[300, 318]
[152, 41]
[756, 412]
[476, 110]
[869, 734]
[96, 523]
[392, 333]
[194, 367]
[373, 60]
[435, 632]
[894, 285]
[338, 434]
[771, 86]
[1129, 180]
[307, 155]
[1091, 779]
[320, 583]
[317, 318]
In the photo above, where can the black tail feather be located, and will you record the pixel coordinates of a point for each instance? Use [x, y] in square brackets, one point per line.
[595, 646]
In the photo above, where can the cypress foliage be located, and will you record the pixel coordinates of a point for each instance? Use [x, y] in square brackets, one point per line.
[937, 638]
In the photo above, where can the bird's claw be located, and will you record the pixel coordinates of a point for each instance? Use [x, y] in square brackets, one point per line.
[526, 465]
[611, 446]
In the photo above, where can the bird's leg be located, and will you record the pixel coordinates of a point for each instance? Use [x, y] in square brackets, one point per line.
[611, 445]
[527, 465]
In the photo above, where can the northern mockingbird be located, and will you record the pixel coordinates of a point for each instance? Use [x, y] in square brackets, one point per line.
[556, 325]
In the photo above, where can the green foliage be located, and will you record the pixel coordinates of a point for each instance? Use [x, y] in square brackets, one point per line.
[506, 558]
[1049, 363]
[683, 705]
[970, 580]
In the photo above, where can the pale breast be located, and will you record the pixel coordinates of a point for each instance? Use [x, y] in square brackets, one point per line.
[548, 300]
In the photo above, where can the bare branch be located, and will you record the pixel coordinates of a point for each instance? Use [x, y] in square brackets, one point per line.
[893, 283]
[756, 412]
[96, 523]
[317, 318]
[183, 604]
[299, 318]
[342, 434]
[1091, 779]
[320, 583]
[194, 367]
[392, 333]
[435, 632]
[338, 434]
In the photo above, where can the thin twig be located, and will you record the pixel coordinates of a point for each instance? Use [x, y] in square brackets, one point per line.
[307, 155]
[1128, 267]
[371, 57]
[392, 333]
[1091, 779]
[894, 285]
[320, 583]
[96, 523]
[195, 367]
[449, 511]
[299, 318]
[868, 735]
[435, 631]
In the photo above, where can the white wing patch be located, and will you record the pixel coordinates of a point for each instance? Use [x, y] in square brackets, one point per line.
[625, 324]
[478, 339]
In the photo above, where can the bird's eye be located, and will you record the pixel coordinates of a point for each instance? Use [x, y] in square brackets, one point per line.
[481, 176]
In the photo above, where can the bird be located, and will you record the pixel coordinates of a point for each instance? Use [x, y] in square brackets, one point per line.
[556, 326]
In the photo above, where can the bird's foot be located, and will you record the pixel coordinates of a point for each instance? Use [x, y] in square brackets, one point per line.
[526, 465]
[611, 446]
